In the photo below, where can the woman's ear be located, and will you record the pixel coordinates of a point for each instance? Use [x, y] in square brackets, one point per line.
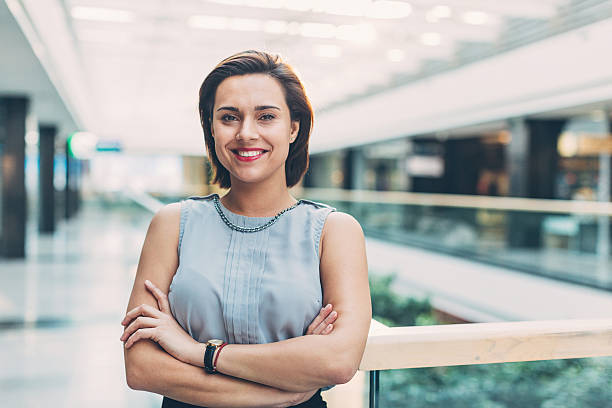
[295, 128]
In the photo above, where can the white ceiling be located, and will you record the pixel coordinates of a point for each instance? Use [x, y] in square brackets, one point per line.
[144, 60]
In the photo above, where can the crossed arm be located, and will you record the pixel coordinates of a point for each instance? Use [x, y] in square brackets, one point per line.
[275, 374]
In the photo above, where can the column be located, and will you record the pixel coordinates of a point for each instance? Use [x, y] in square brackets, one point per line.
[13, 112]
[532, 167]
[46, 201]
[354, 169]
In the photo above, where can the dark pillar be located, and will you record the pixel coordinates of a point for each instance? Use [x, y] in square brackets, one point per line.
[46, 205]
[354, 169]
[532, 167]
[69, 201]
[13, 111]
[543, 156]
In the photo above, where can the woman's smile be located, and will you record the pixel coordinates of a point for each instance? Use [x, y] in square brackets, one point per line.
[248, 155]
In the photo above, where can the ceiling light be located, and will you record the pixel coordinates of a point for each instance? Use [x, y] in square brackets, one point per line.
[208, 22]
[568, 144]
[318, 30]
[361, 33]
[244, 24]
[102, 14]
[327, 51]
[275, 26]
[475, 17]
[431, 39]
[389, 9]
[395, 55]
[437, 13]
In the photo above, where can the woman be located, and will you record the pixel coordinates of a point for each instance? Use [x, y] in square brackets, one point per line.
[247, 273]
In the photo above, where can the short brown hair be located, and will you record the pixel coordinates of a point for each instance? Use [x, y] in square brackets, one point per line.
[254, 62]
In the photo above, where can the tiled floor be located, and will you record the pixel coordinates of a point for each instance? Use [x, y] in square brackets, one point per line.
[71, 292]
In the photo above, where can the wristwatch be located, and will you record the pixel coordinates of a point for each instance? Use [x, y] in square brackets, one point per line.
[211, 348]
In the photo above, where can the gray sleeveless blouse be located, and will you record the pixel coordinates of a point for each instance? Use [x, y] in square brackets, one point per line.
[247, 288]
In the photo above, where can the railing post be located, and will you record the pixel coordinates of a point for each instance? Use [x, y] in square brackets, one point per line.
[374, 376]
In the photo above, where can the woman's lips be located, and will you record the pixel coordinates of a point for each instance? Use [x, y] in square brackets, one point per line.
[248, 158]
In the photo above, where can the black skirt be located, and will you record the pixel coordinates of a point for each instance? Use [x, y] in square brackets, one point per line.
[315, 402]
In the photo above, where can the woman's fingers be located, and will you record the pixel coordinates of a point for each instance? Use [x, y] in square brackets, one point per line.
[140, 334]
[323, 313]
[142, 310]
[162, 298]
[326, 326]
[322, 324]
[138, 323]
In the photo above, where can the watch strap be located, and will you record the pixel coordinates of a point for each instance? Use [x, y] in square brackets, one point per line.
[208, 358]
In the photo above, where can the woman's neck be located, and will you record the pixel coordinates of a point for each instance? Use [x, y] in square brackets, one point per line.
[257, 200]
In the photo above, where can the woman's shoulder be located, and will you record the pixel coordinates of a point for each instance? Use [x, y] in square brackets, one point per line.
[167, 217]
[341, 227]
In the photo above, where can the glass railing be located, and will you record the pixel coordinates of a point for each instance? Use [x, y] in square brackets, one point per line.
[545, 365]
[568, 240]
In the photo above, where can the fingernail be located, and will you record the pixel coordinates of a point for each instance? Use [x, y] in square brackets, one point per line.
[328, 305]
[329, 326]
[334, 313]
[147, 282]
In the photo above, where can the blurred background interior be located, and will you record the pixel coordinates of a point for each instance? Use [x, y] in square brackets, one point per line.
[470, 138]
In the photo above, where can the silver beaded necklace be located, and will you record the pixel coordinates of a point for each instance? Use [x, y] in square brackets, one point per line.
[245, 229]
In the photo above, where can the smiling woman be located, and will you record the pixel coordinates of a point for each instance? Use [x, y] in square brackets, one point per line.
[227, 305]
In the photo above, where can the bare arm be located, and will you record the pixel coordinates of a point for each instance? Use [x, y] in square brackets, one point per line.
[150, 368]
[308, 362]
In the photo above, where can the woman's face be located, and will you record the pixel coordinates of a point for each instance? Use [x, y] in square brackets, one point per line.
[252, 128]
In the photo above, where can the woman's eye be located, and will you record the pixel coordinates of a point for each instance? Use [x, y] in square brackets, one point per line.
[228, 117]
[267, 116]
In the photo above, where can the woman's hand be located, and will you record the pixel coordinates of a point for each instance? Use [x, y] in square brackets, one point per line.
[146, 322]
[323, 323]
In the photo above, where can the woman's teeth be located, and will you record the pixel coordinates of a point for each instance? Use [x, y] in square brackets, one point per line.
[250, 153]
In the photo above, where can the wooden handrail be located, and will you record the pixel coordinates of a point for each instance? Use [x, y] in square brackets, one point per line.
[461, 201]
[484, 343]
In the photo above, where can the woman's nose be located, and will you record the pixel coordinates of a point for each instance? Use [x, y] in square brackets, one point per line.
[248, 130]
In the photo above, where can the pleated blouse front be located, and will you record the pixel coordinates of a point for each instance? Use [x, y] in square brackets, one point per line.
[247, 287]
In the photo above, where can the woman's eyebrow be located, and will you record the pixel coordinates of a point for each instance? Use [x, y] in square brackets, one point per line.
[264, 107]
[257, 108]
[229, 108]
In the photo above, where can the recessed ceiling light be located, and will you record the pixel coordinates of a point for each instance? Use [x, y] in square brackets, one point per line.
[395, 55]
[431, 39]
[102, 14]
[437, 13]
[327, 51]
[475, 17]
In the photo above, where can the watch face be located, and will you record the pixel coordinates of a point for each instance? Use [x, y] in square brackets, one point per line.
[215, 342]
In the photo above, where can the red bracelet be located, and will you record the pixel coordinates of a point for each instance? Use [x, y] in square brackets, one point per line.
[217, 355]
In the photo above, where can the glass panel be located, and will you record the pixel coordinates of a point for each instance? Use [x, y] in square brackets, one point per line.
[545, 384]
[573, 247]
